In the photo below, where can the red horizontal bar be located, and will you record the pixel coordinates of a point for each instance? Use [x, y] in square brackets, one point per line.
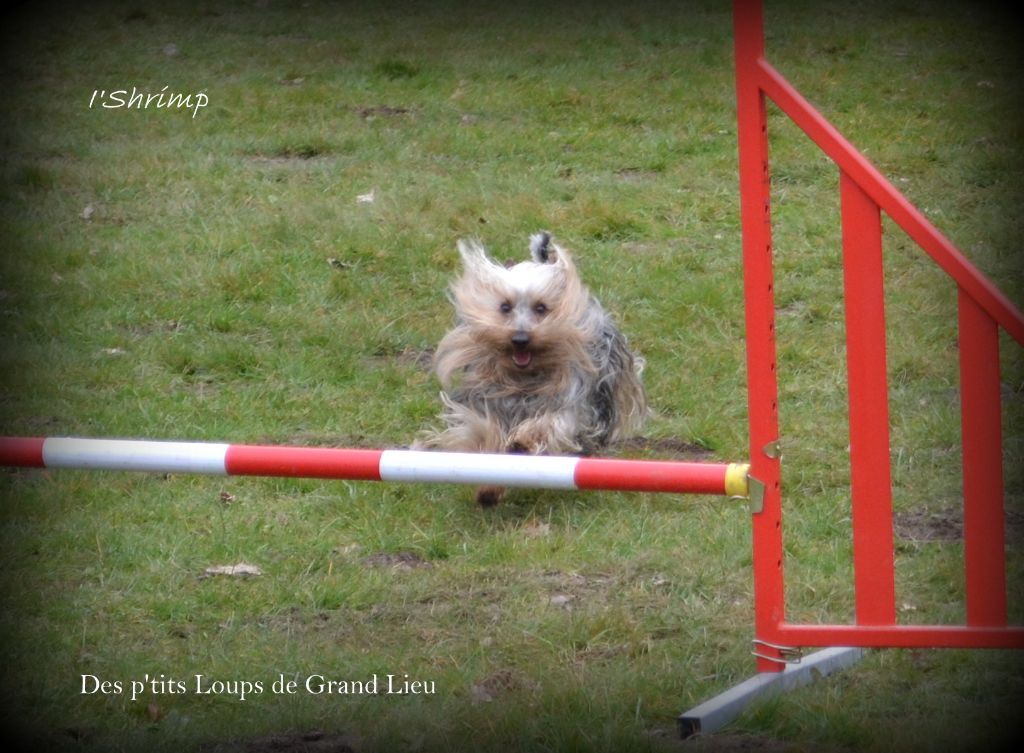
[897, 636]
[305, 462]
[894, 203]
[23, 452]
[651, 476]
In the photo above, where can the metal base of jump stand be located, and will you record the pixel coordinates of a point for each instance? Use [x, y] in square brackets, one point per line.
[716, 713]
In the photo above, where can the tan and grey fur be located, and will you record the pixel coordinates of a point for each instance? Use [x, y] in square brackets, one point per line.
[534, 364]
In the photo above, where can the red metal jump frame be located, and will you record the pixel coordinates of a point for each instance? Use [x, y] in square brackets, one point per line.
[865, 193]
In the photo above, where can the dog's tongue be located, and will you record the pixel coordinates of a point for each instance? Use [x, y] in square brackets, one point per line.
[521, 358]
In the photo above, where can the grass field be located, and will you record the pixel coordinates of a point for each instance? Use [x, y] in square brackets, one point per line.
[227, 277]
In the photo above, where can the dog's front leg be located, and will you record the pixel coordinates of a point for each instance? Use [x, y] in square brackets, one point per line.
[489, 496]
[552, 433]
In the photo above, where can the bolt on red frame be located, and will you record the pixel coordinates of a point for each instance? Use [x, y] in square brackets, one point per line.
[864, 194]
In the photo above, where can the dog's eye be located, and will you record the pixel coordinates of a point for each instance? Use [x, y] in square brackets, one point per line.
[540, 309]
[505, 307]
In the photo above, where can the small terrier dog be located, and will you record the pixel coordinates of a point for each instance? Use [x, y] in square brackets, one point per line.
[534, 364]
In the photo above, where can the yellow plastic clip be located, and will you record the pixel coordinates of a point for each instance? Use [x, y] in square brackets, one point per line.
[736, 480]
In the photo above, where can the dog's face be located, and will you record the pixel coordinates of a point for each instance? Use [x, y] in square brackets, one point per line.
[523, 314]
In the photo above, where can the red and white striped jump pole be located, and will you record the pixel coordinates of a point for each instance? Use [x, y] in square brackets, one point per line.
[536, 471]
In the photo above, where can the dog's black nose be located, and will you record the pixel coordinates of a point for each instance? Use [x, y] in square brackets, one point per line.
[520, 339]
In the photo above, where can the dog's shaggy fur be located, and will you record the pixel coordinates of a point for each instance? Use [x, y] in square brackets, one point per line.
[533, 364]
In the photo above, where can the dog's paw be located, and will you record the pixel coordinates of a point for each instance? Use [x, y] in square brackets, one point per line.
[489, 496]
[529, 438]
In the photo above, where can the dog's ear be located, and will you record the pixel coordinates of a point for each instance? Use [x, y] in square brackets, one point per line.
[541, 247]
[475, 260]
[544, 250]
[474, 256]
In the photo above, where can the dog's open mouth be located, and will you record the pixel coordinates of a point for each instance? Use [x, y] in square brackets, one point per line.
[521, 357]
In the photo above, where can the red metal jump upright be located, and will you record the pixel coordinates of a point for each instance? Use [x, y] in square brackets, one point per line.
[983, 310]
[758, 282]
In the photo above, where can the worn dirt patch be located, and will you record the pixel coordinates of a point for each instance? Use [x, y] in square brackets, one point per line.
[498, 683]
[723, 743]
[382, 111]
[665, 447]
[294, 155]
[319, 439]
[421, 358]
[636, 174]
[930, 525]
[287, 742]
[418, 358]
[946, 524]
[396, 560]
[571, 590]
[577, 583]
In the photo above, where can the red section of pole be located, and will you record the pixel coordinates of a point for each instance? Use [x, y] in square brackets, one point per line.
[651, 476]
[758, 284]
[981, 431]
[24, 452]
[870, 474]
[304, 462]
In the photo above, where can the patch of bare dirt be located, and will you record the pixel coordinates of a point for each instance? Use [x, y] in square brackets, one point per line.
[396, 560]
[666, 447]
[497, 684]
[296, 155]
[318, 439]
[946, 524]
[287, 742]
[280, 160]
[930, 525]
[418, 358]
[421, 358]
[382, 111]
[636, 174]
[726, 743]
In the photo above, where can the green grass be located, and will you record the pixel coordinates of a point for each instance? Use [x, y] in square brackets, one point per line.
[215, 278]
